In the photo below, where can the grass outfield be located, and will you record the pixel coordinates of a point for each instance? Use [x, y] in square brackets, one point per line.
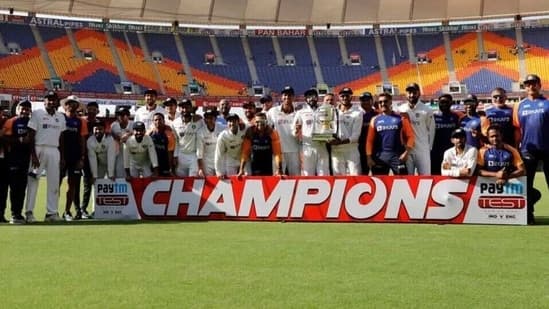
[244, 264]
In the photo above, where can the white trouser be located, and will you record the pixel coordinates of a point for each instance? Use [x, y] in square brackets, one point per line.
[49, 162]
[119, 171]
[187, 165]
[346, 160]
[420, 160]
[291, 162]
[140, 170]
[209, 169]
[315, 160]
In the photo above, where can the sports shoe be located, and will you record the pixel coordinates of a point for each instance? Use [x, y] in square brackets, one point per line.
[52, 218]
[85, 214]
[17, 220]
[78, 215]
[67, 216]
[30, 217]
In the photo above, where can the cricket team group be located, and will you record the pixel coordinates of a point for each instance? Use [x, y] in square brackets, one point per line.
[375, 137]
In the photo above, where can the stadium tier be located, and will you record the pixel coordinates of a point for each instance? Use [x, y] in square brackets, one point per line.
[97, 61]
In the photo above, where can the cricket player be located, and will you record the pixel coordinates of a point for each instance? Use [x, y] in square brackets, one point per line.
[145, 113]
[228, 148]
[282, 118]
[186, 130]
[101, 153]
[423, 125]
[121, 130]
[460, 160]
[206, 143]
[45, 128]
[139, 154]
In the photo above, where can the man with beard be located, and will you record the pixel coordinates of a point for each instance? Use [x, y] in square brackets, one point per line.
[171, 113]
[45, 131]
[206, 144]
[92, 109]
[121, 130]
[423, 125]
[73, 154]
[266, 102]
[101, 153]
[446, 121]
[260, 144]
[390, 139]
[228, 149]
[367, 105]
[249, 113]
[224, 108]
[282, 117]
[531, 118]
[501, 114]
[145, 113]
[164, 143]
[314, 153]
[461, 159]
[473, 122]
[17, 155]
[186, 129]
[498, 159]
[140, 154]
[345, 156]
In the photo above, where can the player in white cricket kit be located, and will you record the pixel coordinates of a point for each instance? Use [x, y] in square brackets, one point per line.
[186, 130]
[229, 147]
[121, 130]
[345, 155]
[424, 126]
[146, 113]
[282, 118]
[206, 143]
[315, 154]
[45, 131]
[140, 154]
[101, 153]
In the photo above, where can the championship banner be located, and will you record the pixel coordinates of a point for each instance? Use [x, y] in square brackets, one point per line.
[396, 199]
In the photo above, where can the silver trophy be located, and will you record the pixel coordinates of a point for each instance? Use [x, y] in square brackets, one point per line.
[324, 125]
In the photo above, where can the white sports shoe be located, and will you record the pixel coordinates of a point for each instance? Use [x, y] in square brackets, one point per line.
[52, 218]
[67, 216]
[30, 217]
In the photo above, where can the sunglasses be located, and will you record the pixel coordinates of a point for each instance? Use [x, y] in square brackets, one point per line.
[498, 96]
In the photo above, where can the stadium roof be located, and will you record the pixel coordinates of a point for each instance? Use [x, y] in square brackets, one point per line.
[283, 12]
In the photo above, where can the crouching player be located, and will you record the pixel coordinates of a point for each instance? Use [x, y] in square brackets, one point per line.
[140, 154]
[101, 153]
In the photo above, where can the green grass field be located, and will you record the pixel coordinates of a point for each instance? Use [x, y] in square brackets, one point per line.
[277, 265]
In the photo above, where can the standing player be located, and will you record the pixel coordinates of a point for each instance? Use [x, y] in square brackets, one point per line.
[186, 129]
[345, 156]
[206, 144]
[45, 131]
[531, 117]
[473, 122]
[499, 160]
[228, 149]
[164, 143]
[17, 156]
[390, 139]
[73, 153]
[145, 113]
[3, 169]
[282, 117]
[121, 130]
[101, 153]
[171, 113]
[260, 144]
[224, 108]
[92, 109]
[139, 154]
[266, 102]
[367, 105]
[314, 153]
[461, 159]
[501, 114]
[249, 113]
[446, 121]
[423, 125]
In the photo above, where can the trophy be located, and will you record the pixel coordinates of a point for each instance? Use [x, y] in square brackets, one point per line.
[324, 124]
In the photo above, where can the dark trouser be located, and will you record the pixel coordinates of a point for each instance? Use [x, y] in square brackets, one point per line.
[87, 187]
[3, 186]
[17, 178]
[386, 161]
[531, 160]
[436, 162]
[73, 180]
